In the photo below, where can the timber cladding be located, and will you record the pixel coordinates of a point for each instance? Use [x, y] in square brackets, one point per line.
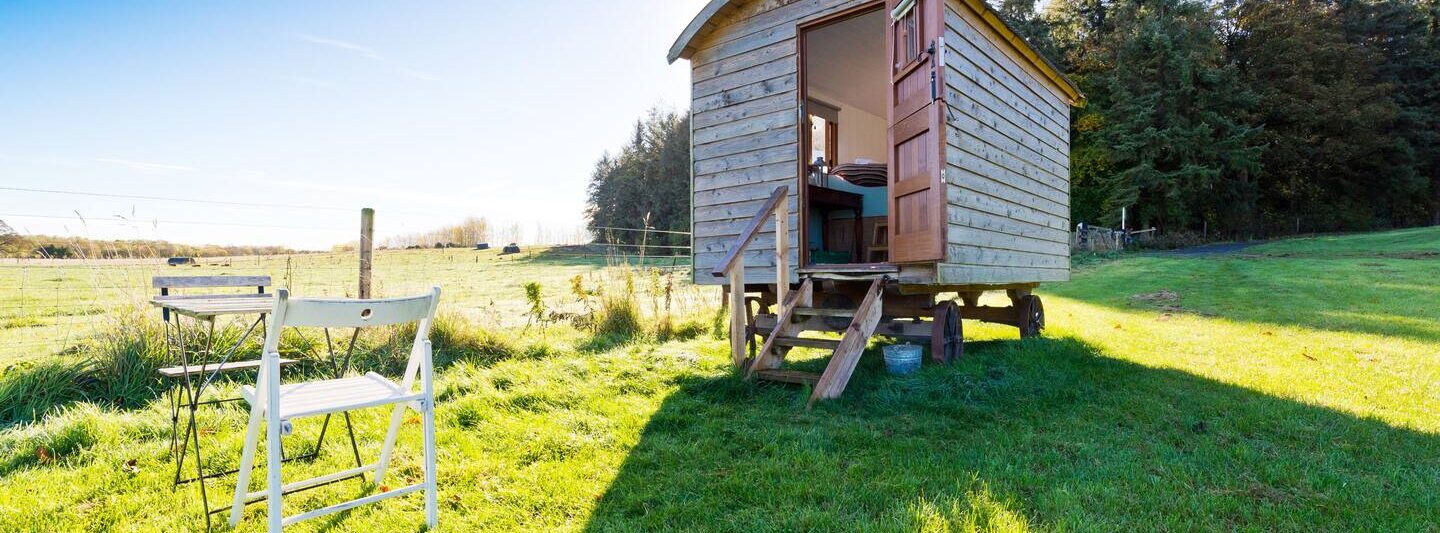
[1007, 167]
[745, 113]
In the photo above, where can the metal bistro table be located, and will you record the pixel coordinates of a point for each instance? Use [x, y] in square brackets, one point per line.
[199, 367]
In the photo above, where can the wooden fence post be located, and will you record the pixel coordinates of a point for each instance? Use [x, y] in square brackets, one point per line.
[367, 239]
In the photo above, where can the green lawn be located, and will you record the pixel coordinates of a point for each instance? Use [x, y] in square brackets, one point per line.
[1292, 386]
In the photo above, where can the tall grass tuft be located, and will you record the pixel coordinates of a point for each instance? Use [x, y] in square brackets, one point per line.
[618, 319]
[124, 366]
[453, 339]
[30, 391]
[70, 435]
[116, 368]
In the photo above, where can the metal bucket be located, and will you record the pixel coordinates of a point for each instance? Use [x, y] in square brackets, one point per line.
[901, 359]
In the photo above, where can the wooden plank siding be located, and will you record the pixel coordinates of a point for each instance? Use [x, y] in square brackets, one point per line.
[1007, 147]
[745, 114]
[1007, 161]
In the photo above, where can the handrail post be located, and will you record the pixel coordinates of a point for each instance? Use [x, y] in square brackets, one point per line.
[782, 250]
[737, 314]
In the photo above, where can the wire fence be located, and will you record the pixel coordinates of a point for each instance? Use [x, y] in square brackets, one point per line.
[51, 305]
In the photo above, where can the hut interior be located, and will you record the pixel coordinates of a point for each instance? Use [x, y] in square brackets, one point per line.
[845, 80]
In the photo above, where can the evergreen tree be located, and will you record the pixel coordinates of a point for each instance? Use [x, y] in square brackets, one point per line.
[1181, 156]
[1396, 30]
[1426, 91]
[1327, 118]
[648, 180]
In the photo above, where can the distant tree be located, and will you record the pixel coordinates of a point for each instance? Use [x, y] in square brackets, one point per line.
[54, 251]
[468, 232]
[1334, 158]
[11, 243]
[1164, 136]
[1402, 33]
[648, 180]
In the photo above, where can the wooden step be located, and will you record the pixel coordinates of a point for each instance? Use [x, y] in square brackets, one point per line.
[800, 342]
[860, 268]
[789, 376]
[822, 311]
[869, 271]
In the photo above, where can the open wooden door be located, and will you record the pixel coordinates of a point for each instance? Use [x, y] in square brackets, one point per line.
[916, 133]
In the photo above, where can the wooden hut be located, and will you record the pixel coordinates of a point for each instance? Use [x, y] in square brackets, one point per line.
[854, 159]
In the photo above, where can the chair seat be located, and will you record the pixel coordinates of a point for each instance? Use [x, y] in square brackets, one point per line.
[332, 395]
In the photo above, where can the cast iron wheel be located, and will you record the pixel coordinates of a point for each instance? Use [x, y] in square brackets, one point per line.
[947, 343]
[751, 330]
[1032, 316]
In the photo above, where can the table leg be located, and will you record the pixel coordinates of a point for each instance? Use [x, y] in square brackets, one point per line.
[171, 392]
[199, 465]
[199, 468]
[184, 443]
[859, 233]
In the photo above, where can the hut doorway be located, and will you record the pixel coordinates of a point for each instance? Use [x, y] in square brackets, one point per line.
[844, 198]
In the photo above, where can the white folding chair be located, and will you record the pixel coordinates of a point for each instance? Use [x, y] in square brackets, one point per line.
[279, 404]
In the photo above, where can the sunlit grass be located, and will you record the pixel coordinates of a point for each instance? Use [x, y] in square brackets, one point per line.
[1250, 392]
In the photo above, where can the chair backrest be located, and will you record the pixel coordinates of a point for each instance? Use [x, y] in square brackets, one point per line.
[348, 313]
[165, 283]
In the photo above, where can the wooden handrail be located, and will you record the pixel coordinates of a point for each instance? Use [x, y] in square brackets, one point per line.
[751, 230]
[733, 267]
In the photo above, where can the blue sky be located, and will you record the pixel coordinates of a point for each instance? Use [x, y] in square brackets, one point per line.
[427, 111]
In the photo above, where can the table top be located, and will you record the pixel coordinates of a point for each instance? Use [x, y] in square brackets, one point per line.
[212, 306]
[826, 198]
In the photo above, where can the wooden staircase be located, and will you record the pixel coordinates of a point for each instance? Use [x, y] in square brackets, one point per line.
[796, 305]
[845, 352]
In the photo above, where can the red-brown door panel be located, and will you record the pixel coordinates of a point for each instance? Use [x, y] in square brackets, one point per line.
[916, 134]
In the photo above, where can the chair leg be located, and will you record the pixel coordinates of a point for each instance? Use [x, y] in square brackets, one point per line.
[432, 508]
[247, 463]
[272, 470]
[272, 444]
[397, 414]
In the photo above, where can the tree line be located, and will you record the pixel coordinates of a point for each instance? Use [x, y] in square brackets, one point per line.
[466, 233]
[15, 245]
[1249, 117]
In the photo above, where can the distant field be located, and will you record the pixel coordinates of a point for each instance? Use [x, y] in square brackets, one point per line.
[1288, 387]
[48, 305]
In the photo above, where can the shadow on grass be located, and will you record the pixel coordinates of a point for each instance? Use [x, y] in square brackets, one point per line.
[1369, 296]
[1046, 433]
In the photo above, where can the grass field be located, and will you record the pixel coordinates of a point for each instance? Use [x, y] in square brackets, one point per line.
[1291, 386]
[47, 306]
